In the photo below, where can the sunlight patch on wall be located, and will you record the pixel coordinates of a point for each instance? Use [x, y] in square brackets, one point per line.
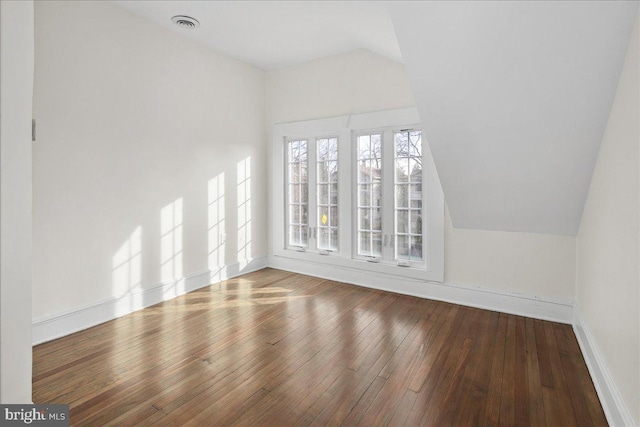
[127, 272]
[216, 226]
[171, 263]
[244, 212]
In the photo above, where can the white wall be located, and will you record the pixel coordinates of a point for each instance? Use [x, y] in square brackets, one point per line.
[354, 82]
[16, 89]
[607, 285]
[526, 263]
[134, 121]
[360, 81]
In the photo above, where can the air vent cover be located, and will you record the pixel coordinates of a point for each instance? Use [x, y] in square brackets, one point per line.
[185, 21]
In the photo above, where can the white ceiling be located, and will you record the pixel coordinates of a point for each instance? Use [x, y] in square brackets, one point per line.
[274, 34]
[514, 98]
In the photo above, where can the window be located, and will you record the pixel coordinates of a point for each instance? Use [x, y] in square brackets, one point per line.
[327, 191]
[388, 184]
[298, 195]
[359, 194]
[369, 190]
[312, 199]
[408, 195]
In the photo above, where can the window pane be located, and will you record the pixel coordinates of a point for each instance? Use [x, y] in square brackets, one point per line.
[323, 238]
[323, 174]
[416, 222]
[415, 169]
[294, 236]
[376, 146]
[365, 243]
[333, 199]
[303, 151]
[323, 216]
[364, 146]
[416, 247]
[376, 194]
[365, 195]
[332, 168]
[364, 219]
[322, 146]
[333, 216]
[334, 239]
[376, 171]
[304, 193]
[402, 247]
[376, 219]
[294, 193]
[304, 215]
[415, 143]
[364, 171]
[416, 195]
[402, 221]
[323, 194]
[376, 246]
[294, 172]
[402, 196]
[402, 144]
[402, 170]
[294, 214]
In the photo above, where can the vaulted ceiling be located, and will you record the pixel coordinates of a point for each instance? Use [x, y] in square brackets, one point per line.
[514, 96]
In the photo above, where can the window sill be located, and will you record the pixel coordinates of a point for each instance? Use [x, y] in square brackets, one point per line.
[335, 259]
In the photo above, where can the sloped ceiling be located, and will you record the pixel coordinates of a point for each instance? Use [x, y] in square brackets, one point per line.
[514, 98]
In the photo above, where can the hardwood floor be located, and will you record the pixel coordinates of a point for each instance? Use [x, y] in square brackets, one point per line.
[275, 348]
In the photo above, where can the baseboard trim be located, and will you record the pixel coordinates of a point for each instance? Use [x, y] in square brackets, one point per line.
[62, 324]
[556, 310]
[614, 407]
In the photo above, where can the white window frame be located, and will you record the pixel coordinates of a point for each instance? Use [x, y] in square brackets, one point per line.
[388, 195]
[316, 226]
[288, 204]
[345, 127]
[312, 199]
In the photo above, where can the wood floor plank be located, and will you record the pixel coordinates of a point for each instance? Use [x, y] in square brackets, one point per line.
[561, 387]
[578, 401]
[477, 379]
[279, 348]
[542, 354]
[534, 380]
[522, 402]
[492, 411]
[508, 389]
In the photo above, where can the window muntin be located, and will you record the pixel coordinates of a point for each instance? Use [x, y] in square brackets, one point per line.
[369, 195]
[408, 195]
[327, 193]
[298, 192]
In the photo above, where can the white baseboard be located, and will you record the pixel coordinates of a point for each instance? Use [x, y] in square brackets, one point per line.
[616, 411]
[556, 310]
[61, 324]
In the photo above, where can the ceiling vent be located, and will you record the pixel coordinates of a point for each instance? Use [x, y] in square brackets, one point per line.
[185, 21]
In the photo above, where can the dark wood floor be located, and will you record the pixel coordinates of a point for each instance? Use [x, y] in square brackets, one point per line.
[276, 349]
